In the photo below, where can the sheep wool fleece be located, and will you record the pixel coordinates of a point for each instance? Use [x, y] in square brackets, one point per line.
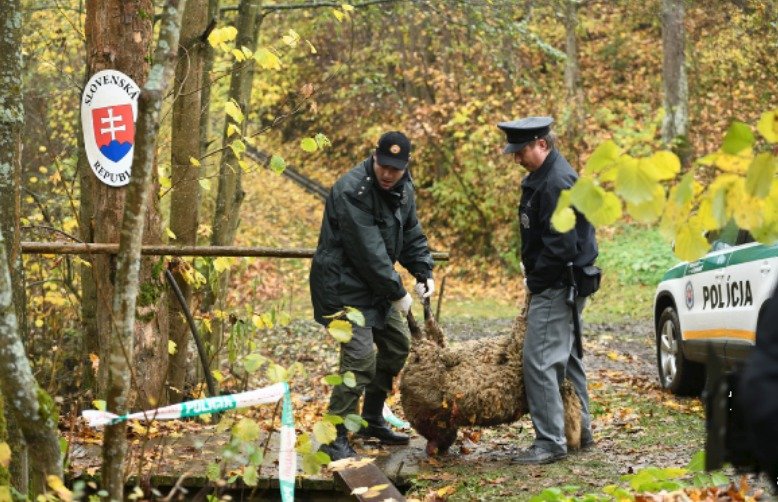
[548, 358]
[374, 373]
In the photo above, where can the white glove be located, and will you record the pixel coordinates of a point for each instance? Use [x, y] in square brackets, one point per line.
[425, 289]
[403, 305]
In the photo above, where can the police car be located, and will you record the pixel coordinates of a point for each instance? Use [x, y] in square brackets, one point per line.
[716, 301]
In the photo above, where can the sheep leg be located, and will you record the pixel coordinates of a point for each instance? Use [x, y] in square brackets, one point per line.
[572, 406]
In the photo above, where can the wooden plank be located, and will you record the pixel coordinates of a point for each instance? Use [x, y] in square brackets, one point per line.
[362, 479]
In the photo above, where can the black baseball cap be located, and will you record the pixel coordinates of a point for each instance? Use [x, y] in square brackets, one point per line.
[393, 150]
[522, 132]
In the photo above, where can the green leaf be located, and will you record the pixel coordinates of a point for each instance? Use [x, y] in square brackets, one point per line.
[349, 379]
[633, 183]
[603, 156]
[303, 444]
[355, 316]
[665, 165]
[563, 219]
[237, 147]
[250, 475]
[322, 141]
[354, 422]
[697, 462]
[586, 196]
[253, 362]
[739, 137]
[683, 192]
[311, 463]
[760, 175]
[324, 432]
[205, 184]
[607, 213]
[212, 472]
[276, 373]
[232, 109]
[277, 164]
[332, 419]
[340, 330]
[246, 430]
[719, 479]
[768, 126]
[333, 379]
[309, 145]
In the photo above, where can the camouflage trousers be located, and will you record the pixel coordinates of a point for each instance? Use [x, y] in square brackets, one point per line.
[375, 356]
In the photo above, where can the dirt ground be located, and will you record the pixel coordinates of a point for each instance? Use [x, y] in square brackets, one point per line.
[636, 424]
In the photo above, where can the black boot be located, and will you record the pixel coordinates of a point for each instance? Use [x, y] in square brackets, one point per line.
[340, 448]
[373, 414]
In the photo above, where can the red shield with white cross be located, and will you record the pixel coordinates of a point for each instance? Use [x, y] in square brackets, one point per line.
[114, 130]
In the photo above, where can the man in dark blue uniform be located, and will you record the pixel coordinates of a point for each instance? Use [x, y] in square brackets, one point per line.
[370, 224]
[549, 354]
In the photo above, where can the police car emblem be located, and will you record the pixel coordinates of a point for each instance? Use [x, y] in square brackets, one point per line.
[109, 107]
[689, 295]
[395, 149]
[524, 220]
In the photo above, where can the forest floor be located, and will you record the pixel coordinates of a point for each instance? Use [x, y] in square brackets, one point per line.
[636, 424]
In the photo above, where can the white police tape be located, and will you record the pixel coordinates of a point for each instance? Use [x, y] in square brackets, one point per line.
[393, 419]
[287, 458]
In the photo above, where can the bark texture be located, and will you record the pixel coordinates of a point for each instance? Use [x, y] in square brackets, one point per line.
[676, 89]
[118, 35]
[129, 261]
[575, 95]
[31, 412]
[185, 195]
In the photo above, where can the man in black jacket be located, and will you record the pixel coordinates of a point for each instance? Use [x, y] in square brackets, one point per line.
[545, 253]
[369, 224]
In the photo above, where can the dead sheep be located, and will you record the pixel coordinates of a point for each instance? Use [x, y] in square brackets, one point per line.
[474, 383]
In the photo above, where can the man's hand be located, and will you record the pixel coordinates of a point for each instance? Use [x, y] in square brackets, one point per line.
[403, 305]
[425, 289]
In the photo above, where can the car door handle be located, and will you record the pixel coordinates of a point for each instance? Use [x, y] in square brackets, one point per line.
[765, 269]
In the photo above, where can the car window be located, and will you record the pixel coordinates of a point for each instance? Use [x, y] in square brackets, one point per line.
[725, 237]
[744, 237]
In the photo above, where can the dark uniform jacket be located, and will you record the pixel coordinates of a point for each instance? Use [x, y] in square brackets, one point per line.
[364, 232]
[758, 391]
[544, 251]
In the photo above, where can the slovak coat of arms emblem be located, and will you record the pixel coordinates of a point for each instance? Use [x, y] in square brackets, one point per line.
[109, 108]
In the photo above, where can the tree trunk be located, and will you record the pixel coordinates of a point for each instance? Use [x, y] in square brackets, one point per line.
[118, 36]
[29, 409]
[575, 100]
[129, 263]
[226, 217]
[185, 194]
[676, 91]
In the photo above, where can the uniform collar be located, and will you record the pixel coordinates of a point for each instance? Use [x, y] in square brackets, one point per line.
[533, 180]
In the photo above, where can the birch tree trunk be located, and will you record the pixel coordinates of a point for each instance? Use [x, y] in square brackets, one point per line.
[185, 195]
[676, 90]
[118, 36]
[128, 267]
[575, 98]
[30, 408]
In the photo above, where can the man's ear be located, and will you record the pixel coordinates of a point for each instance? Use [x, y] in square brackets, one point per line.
[543, 143]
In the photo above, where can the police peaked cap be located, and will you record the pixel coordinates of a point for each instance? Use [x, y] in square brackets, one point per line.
[522, 132]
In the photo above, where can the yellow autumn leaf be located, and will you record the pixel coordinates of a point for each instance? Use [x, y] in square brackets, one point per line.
[650, 210]
[267, 59]
[171, 347]
[56, 484]
[232, 109]
[5, 455]
[690, 243]
[221, 264]
[563, 218]
[768, 126]
[170, 233]
[340, 330]
[194, 162]
[5, 494]
[664, 165]
[238, 55]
